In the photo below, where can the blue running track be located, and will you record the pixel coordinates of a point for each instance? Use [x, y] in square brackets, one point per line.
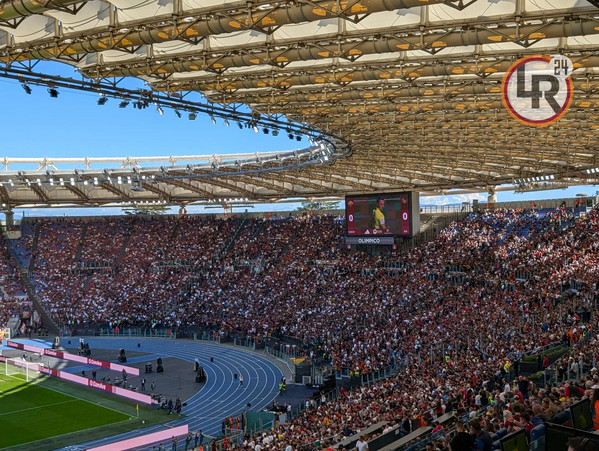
[219, 398]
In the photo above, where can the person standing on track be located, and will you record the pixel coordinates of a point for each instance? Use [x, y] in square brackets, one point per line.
[241, 380]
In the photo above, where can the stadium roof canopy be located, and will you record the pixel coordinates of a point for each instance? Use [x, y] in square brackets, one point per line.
[402, 94]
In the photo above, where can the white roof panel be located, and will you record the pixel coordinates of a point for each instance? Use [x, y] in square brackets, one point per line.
[441, 13]
[382, 20]
[583, 40]
[237, 38]
[544, 5]
[174, 47]
[32, 28]
[200, 4]
[128, 10]
[110, 56]
[505, 46]
[321, 27]
[93, 14]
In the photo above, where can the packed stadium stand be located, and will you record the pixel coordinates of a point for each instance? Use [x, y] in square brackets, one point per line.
[490, 319]
[13, 300]
[492, 288]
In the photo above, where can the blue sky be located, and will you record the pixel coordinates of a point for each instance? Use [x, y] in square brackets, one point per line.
[74, 125]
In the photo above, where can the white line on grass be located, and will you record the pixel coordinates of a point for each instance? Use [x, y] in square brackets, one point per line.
[83, 387]
[38, 407]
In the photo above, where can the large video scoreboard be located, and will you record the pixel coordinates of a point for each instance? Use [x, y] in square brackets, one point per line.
[382, 215]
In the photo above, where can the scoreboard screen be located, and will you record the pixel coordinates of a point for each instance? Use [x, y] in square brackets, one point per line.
[383, 214]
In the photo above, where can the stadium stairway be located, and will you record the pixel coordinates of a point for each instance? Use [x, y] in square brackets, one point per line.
[230, 243]
[171, 238]
[77, 258]
[36, 238]
[23, 251]
[285, 249]
[257, 231]
[86, 284]
[123, 249]
[29, 288]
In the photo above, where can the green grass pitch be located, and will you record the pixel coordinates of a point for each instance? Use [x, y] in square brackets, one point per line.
[49, 413]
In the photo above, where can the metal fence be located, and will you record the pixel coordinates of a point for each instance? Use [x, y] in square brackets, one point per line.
[135, 332]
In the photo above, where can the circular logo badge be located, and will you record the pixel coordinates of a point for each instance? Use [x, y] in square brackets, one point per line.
[537, 90]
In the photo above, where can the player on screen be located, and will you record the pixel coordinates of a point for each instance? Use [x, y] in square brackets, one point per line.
[378, 217]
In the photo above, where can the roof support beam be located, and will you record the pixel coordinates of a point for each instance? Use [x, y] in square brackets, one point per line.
[270, 184]
[232, 185]
[39, 192]
[81, 195]
[297, 180]
[351, 45]
[154, 188]
[191, 187]
[332, 178]
[453, 89]
[423, 106]
[347, 74]
[251, 17]
[15, 9]
[121, 195]
[4, 196]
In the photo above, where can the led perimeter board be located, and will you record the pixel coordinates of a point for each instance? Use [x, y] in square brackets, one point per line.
[382, 214]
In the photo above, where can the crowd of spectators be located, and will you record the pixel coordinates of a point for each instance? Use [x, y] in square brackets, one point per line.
[120, 270]
[496, 285]
[290, 276]
[13, 300]
[482, 410]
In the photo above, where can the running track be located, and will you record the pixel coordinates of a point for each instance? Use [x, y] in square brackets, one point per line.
[220, 397]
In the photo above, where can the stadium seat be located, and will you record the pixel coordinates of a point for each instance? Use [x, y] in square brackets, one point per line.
[501, 433]
[537, 438]
[537, 432]
[561, 417]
